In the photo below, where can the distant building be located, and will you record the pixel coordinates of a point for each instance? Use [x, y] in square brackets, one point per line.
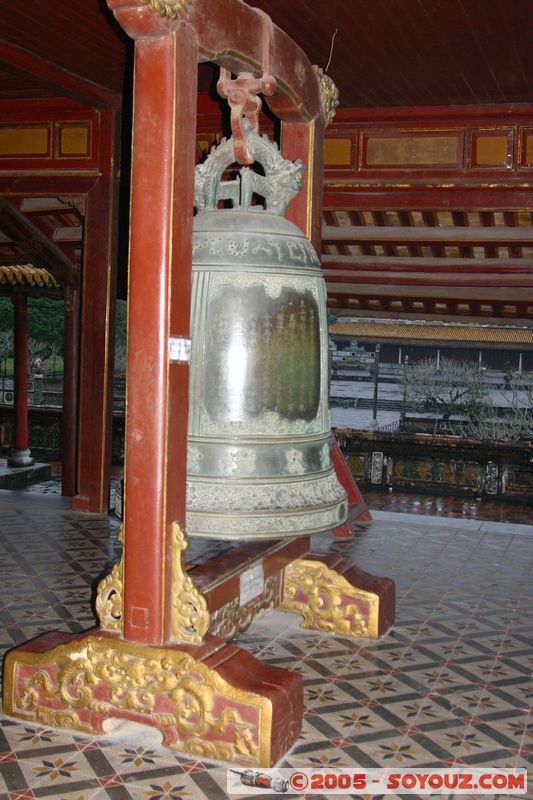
[493, 346]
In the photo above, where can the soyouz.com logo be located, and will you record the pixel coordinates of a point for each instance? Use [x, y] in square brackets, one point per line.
[378, 781]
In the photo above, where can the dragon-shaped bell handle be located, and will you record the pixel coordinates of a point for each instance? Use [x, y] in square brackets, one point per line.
[281, 182]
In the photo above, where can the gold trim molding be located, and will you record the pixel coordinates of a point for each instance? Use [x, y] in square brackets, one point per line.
[233, 619]
[190, 617]
[81, 684]
[110, 595]
[173, 9]
[327, 601]
[329, 95]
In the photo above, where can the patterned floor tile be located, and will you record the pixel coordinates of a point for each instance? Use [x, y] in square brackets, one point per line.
[318, 756]
[177, 787]
[469, 742]
[397, 750]
[55, 768]
[423, 710]
[26, 738]
[451, 680]
[480, 701]
[352, 721]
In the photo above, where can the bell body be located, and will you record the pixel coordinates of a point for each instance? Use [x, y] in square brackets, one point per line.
[259, 464]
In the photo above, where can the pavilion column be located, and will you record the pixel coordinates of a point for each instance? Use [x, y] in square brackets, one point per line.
[21, 457]
[162, 199]
[305, 140]
[97, 327]
[70, 390]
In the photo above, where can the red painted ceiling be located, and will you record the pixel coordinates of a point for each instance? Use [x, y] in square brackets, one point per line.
[385, 53]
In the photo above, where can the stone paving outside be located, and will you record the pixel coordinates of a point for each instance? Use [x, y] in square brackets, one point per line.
[361, 418]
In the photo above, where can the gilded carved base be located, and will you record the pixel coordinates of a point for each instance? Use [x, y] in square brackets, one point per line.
[233, 619]
[219, 705]
[336, 603]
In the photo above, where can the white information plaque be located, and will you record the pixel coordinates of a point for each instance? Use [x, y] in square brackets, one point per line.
[252, 584]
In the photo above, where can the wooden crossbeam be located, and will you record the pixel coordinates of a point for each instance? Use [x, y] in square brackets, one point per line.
[68, 234]
[440, 308]
[36, 245]
[42, 205]
[44, 73]
[451, 291]
[433, 279]
[450, 235]
[379, 264]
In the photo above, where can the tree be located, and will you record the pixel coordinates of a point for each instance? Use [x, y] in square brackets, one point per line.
[36, 349]
[452, 387]
[460, 389]
[46, 321]
[120, 340]
[6, 314]
[7, 348]
[507, 417]
[121, 322]
[55, 349]
[120, 360]
[7, 344]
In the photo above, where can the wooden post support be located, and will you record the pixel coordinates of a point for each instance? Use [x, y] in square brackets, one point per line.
[70, 390]
[97, 327]
[21, 456]
[159, 307]
[305, 140]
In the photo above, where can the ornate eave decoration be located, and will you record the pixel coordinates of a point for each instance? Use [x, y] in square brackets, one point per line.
[173, 9]
[329, 95]
[27, 275]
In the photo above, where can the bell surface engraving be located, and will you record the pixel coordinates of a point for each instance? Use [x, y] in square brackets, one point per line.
[263, 355]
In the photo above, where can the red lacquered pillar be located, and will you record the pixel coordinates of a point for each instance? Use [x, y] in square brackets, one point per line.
[162, 198]
[21, 456]
[305, 140]
[70, 390]
[97, 325]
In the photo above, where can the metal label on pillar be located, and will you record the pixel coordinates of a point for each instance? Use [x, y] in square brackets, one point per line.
[179, 349]
[252, 584]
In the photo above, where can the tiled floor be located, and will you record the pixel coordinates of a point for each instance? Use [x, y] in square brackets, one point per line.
[450, 683]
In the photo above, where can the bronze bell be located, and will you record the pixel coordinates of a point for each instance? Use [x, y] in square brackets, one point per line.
[259, 463]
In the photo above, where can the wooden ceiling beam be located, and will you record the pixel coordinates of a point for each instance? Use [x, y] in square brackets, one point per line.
[380, 264]
[460, 294]
[51, 76]
[48, 205]
[348, 196]
[450, 235]
[417, 279]
[36, 245]
[68, 234]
